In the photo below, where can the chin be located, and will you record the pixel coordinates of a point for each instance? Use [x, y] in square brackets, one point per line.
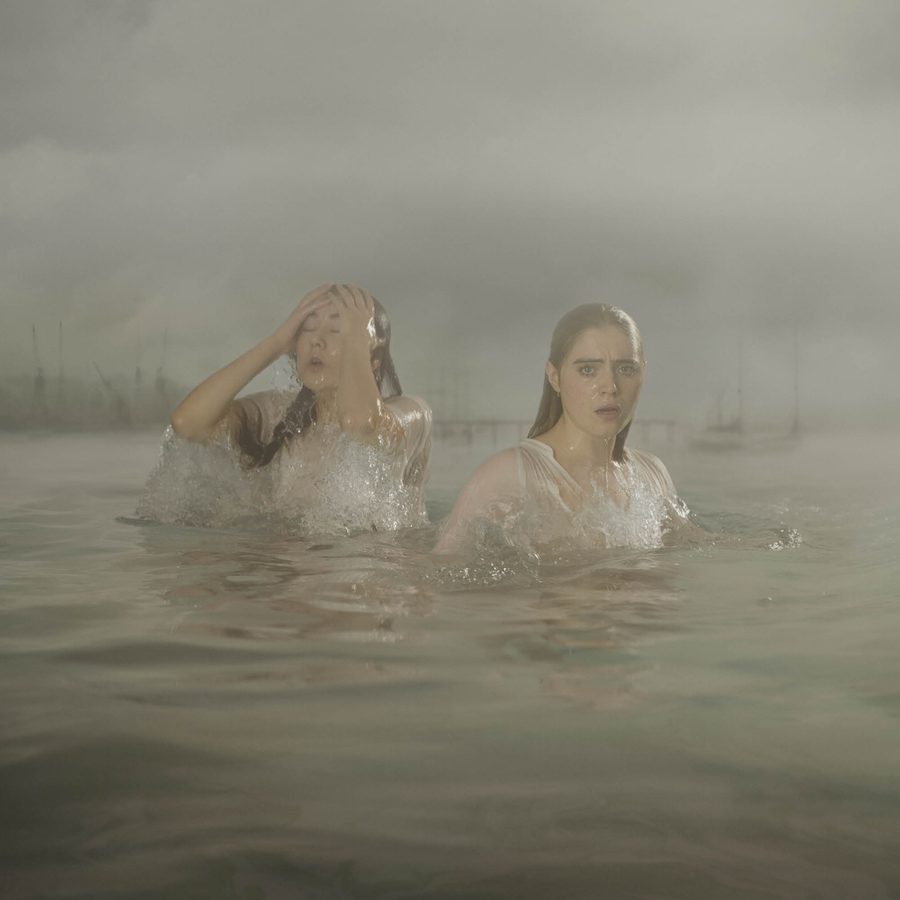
[607, 431]
[315, 381]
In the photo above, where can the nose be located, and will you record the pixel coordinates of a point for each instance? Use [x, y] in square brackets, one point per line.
[605, 383]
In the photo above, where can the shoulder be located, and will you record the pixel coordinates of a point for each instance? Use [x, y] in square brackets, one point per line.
[652, 467]
[498, 474]
[408, 408]
[413, 416]
[269, 404]
[493, 489]
[413, 413]
[257, 414]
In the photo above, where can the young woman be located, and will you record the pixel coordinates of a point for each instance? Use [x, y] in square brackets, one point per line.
[349, 449]
[572, 480]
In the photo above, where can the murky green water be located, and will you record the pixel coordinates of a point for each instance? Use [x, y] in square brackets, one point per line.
[192, 713]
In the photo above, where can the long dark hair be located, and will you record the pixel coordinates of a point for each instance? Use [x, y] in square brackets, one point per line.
[301, 414]
[590, 315]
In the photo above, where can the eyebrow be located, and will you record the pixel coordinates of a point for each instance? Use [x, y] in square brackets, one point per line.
[600, 359]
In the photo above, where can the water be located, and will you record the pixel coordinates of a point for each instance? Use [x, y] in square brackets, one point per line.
[330, 484]
[199, 713]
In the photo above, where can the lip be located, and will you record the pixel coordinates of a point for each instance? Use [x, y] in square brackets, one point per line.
[608, 412]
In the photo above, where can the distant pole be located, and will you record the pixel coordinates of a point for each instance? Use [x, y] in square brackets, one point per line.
[34, 347]
[60, 390]
[161, 404]
[39, 412]
[795, 428]
[740, 388]
[137, 369]
[137, 398]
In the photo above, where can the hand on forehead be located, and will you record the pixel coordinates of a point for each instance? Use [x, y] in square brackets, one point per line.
[327, 308]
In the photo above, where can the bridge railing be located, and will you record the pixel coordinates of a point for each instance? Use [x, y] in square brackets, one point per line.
[509, 431]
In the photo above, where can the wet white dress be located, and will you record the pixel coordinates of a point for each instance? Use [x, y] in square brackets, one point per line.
[322, 482]
[335, 483]
[524, 497]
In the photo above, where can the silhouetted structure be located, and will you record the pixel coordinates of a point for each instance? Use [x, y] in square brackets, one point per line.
[39, 414]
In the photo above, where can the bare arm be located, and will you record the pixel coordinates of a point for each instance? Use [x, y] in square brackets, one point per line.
[210, 406]
[362, 412]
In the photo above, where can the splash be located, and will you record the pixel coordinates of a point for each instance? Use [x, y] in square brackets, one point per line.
[200, 484]
[634, 516]
[339, 486]
[329, 484]
[639, 523]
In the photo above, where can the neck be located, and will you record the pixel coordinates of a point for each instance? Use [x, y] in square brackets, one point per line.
[326, 408]
[582, 455]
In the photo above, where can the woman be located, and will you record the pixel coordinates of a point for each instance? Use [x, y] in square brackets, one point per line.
[349, 451]
[573, 480]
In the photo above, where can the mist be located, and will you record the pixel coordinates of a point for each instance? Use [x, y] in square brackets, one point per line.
[726, 172]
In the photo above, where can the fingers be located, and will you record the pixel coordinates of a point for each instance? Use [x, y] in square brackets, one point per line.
[355, 298]
[357, 309]
[317, 297]
[312, 303]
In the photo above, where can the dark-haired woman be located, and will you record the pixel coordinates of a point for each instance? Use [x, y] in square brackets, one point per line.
[572, 481]
[349, 448]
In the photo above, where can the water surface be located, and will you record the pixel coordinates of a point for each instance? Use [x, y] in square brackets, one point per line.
[194, 713]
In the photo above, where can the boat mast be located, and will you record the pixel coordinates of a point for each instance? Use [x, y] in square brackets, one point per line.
[60, 391]
[795, 428]
[39, 411]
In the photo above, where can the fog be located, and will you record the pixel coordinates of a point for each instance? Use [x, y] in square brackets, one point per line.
[725, 171]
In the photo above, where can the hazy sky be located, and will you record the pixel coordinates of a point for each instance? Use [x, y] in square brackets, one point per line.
[723, 170]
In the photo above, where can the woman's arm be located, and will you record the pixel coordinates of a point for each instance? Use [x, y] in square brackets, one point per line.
[362, 412]
[490, 494]
[200, 415]
[680, 528]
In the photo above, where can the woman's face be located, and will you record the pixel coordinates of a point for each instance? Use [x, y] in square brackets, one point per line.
[599, 381]
[320, 345]
[319, 349]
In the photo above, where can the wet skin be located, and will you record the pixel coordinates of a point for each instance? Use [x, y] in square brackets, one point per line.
[322, 340]
[599, 382]
[318, 349]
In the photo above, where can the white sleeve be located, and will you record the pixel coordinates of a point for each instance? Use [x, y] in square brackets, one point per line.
[414, 417]
[656, 474]
[493, 490]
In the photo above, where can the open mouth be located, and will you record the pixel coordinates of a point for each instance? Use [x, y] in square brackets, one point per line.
[608, 412]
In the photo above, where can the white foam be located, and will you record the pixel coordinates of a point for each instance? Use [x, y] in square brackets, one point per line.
[334, 485]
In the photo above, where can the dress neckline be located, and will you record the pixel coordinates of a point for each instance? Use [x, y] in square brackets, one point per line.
[547, 451]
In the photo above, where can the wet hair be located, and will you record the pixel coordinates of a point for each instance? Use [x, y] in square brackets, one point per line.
[569, 327]
[301, 414]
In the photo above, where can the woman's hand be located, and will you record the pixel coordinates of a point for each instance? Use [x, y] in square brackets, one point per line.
[285, 336]
[356, 307]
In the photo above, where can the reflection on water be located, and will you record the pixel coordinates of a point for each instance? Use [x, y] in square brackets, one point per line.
[233, 713]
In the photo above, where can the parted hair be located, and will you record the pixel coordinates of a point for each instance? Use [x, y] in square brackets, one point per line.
[572, 324]
[300, 416]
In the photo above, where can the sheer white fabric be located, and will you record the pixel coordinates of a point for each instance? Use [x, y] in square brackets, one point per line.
[523, 496]
[335, 482]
